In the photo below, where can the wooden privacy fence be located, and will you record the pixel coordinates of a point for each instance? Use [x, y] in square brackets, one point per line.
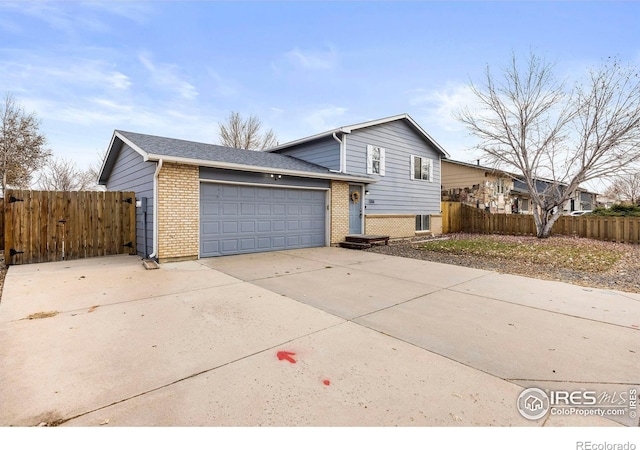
[451, 217]
[604, 228]
[45, 226]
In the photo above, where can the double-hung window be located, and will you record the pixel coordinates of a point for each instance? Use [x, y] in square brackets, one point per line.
[421, 168]
[422, 222]
[375, 160]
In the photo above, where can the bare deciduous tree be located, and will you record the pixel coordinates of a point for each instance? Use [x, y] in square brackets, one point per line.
[625, 188]
[63, 175]
[22, 146]
[530, 122]
[245, 133]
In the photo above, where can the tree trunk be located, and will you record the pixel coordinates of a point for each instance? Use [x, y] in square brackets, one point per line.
[544, 222]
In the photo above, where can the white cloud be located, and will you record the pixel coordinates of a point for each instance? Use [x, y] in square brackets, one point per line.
[70, 17]
[166, 75]
[325, 118]
[437, 109]
[441, 105]
[59, 76]
[312, 60]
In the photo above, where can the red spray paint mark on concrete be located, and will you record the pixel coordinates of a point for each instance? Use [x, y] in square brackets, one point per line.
[327, 382]
[286, 356]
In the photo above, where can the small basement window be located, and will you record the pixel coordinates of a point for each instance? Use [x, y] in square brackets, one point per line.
[423, 222]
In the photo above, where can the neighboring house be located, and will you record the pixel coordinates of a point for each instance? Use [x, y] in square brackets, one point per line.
[580, 200]
[476, 185]
[199, 200]
[499, 191]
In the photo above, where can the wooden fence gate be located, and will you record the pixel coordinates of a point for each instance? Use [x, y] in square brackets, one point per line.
[451, 217]
[46, 226]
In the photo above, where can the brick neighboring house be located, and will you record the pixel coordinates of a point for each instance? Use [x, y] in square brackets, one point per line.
[499, 191]
[199, 200]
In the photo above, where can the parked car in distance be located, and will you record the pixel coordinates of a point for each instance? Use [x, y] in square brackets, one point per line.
[580, 213]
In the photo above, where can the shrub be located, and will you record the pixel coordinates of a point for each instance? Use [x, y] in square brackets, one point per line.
[618, 210]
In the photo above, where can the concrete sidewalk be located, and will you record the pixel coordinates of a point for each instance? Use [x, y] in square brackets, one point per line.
[376, 340]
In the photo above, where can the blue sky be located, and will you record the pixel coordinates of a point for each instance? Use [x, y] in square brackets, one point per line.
[178, 68]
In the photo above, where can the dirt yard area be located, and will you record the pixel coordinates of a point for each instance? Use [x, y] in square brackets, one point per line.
[585, 262]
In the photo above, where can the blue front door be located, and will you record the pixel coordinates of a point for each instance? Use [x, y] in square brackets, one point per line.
[355, 209]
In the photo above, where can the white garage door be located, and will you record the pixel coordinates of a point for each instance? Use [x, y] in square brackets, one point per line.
[247, 219]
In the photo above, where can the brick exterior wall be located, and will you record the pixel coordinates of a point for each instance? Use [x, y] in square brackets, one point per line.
[393, 225]
[399, 225]
[339, 211]
[178, 212]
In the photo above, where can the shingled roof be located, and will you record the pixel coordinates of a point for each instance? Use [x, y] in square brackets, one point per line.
[155, 148]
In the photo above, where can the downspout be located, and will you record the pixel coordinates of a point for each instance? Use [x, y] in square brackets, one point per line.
[155, 210]
[343, 155]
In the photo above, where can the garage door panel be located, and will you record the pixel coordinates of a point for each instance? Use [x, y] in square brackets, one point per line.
[229, 245]
[278, 242]
[264, 210]
[248, 209]
[211, 247]
[246, 219]
[247, 226]
[247, 244]
[264, 226]
[229, 192]
[210, 228]
[247, 192]
[229, 227]
[264, 243]
[210, 208]
[229, 209]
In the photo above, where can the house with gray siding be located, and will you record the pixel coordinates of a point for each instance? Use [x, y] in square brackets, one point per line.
[198, 200]
[404, 163]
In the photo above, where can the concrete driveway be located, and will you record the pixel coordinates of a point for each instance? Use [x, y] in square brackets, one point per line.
[321, 336]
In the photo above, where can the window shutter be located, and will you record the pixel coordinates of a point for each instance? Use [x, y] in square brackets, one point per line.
[382, 159]
[413, 167]
[369, 159]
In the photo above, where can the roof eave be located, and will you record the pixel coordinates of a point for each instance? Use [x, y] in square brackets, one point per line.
[350, 128]
[102, 177]
[260, 169]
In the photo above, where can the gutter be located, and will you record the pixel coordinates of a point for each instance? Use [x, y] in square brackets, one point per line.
[154, 255]
[260, 169]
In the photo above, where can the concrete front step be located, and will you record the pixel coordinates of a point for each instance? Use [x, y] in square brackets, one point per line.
[354, 245]
[367, 238]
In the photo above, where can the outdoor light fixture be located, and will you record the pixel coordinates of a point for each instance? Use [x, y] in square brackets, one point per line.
[366, 192]
[277, 177]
